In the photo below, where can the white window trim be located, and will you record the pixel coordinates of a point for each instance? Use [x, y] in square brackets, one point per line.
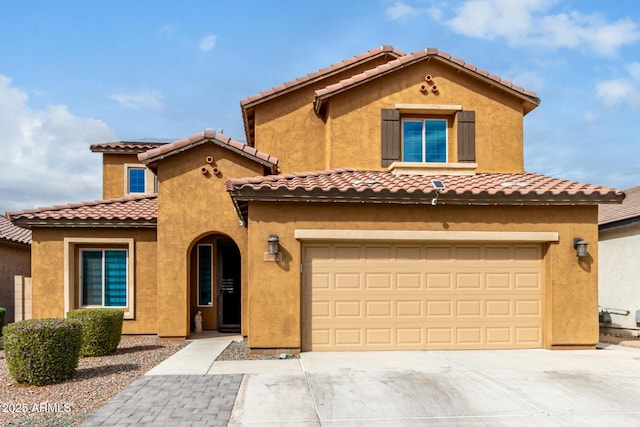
[198, 276]
[424, 129]
[71, 264]
[149, 178]
[103, 269]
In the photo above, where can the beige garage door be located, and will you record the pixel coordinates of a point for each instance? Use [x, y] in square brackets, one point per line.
[409, 297]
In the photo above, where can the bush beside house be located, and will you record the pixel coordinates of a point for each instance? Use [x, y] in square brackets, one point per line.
[101, 329]
[42, 351]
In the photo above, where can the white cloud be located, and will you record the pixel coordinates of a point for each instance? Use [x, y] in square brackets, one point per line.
[530, 23]
[399, 11]
[208, 42]
[402, 11]
[143, 99]
[45, 153]
[619, 91]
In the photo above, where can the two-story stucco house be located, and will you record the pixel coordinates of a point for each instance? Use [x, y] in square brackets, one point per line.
[378, 203]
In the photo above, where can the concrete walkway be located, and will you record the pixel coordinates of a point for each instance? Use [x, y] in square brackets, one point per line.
[419, 388]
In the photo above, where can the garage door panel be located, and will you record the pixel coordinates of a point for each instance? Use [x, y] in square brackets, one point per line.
[378, 309]
[384, 297]
[439, 280]
[347, 281]
[378, 280]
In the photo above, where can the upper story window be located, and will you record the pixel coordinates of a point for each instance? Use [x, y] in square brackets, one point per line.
[139, 180]
[422, 135]
[136, 180]
[424, 140]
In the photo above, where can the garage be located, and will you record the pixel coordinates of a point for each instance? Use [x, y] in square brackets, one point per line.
[415, 296]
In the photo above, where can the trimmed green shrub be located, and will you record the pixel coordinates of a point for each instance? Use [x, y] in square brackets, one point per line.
[3, 312]
[101, 329]
[42, 351]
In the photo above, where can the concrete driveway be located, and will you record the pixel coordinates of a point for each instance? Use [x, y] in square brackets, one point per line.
[440, 388]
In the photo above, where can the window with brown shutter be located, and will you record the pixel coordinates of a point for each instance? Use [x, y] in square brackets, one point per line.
[467, 136]
[390, 136]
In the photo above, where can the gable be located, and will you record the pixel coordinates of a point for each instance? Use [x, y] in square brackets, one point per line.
[297, 91]
[153, 157]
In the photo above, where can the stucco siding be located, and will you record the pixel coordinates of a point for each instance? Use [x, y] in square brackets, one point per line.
[619, 274]
[14, 260]
[48, 272]
[190, 206]
[569, 289]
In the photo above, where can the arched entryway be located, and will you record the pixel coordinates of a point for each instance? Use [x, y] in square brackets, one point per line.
[215, 283]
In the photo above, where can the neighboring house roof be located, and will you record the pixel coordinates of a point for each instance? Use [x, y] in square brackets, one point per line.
[13, 234]
[249, 103]
[624, 214]
[129, 147]
[130, 211]
[352, 186]
[322, 95]
[151, 157]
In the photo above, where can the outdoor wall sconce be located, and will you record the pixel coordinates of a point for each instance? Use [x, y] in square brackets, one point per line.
[273, 244]
[273, 249]
[580, 246]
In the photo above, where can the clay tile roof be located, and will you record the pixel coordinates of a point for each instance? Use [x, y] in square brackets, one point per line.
[321, 95]
[322, 73]
[628, 210]
[12, 233]
[139, 211]
[129, 147]
[154, 155]
[349, 185]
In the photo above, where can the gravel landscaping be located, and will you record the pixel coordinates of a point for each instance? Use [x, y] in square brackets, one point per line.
[239, 350]
[98, 380]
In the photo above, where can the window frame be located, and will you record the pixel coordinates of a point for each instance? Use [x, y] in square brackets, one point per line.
[103, 258]
[211, 258]
[423, 121]
[72, 246]
[150, 179]
[144, 180]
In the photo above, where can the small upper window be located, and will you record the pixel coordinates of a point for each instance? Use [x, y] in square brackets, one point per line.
[136, 180]
[424, 140]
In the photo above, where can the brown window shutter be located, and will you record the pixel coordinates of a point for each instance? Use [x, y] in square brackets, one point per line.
[390, 136]
[467, 136]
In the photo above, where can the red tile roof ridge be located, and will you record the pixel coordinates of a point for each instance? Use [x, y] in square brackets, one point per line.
[414, 57]
[81, 204]
[208, 134]
[334, 68]
[12, 233]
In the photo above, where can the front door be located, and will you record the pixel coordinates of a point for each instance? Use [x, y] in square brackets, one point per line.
[229, 300]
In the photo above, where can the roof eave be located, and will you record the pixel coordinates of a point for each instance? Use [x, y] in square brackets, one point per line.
[44, 223]
[420, 199]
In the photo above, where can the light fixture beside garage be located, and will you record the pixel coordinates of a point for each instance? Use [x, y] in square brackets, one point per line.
[580, 246]
[273, 249]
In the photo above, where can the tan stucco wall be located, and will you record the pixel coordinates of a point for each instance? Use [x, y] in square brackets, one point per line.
[354, 118]
[351, 135]
[570, 288]
[190, 206]
[14, 260]
[48, 273]
[114, 177]
[288, 128]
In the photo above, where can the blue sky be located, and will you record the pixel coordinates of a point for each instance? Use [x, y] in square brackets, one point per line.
[74, 73]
